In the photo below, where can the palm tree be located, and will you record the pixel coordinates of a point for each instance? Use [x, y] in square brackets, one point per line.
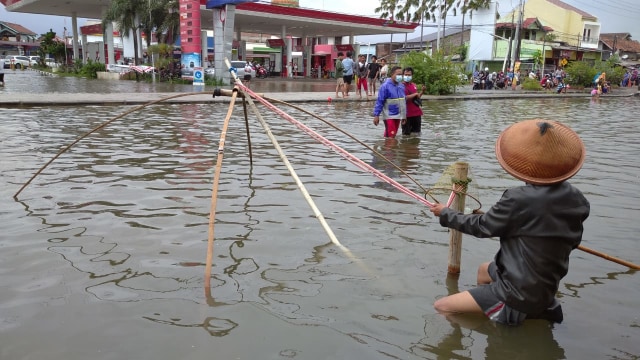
[428, 10]
[390, 9]
[125, 13]
[167, 20]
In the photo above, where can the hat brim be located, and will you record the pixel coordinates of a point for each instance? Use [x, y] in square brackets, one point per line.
[540, 180]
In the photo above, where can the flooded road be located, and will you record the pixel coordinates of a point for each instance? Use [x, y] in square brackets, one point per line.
[29, 81]
[102, 256]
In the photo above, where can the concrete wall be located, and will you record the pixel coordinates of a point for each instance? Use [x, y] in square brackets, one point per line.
[103, 75]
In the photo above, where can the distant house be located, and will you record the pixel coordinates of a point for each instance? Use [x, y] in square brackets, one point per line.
[14, 32]
[573, 26]
[621, 44]
[450, 42]
[576, 33]
[17, 40]
[532, 35]
[532, 29]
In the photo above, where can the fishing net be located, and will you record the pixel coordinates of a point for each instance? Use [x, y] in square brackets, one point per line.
[456, 191]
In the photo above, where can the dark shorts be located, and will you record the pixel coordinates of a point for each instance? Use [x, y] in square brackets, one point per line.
[247, 77]
[413, 125]
[500, 312]
[347, 79]
[492, 307]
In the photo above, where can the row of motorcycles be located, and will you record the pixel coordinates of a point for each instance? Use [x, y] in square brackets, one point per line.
[485, 80]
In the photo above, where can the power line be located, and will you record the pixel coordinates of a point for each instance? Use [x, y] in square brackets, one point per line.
[611, 5]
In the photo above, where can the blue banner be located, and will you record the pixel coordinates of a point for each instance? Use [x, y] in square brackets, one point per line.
[220, 3]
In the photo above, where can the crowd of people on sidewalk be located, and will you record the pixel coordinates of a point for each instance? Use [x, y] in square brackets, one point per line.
[366, 75]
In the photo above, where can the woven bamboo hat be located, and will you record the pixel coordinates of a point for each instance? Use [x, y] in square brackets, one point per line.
[540, 152]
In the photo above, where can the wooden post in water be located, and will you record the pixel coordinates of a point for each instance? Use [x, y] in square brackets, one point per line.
[459, 181]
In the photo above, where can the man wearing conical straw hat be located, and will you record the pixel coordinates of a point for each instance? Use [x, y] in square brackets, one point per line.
[538, 225]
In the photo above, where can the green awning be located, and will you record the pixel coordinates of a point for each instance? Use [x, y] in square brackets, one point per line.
[264, 49]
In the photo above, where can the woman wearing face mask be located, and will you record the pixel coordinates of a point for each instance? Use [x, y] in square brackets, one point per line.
[414, 104]
[391, 104]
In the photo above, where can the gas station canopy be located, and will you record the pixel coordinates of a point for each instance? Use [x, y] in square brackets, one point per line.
[251, 17]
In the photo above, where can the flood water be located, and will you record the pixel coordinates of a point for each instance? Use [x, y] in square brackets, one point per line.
[102, 256]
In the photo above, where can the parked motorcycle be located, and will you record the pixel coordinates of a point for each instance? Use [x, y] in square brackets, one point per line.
[261, 72]
[477, 83]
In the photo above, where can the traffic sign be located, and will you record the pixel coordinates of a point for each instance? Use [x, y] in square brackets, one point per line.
[198, 76]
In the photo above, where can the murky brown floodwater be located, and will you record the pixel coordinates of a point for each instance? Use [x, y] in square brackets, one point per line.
[102, 256]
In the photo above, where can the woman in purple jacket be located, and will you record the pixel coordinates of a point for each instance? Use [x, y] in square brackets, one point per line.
[391, 105]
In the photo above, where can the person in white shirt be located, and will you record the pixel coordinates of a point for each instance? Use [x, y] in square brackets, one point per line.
[247, 73]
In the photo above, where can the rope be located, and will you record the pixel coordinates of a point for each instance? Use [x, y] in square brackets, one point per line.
[347, 155]
[15, 196]
[377, 153]
[301, 186]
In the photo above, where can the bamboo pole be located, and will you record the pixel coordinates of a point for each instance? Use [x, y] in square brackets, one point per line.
[292, 172]
[246, 122]
[460, 172]
[609, 257]
[216, 92]
[214, 196]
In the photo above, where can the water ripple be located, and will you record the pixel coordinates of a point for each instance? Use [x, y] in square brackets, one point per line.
[122, 219]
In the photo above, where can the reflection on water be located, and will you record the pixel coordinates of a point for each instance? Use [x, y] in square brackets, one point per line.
[501, 341]
[114, 233]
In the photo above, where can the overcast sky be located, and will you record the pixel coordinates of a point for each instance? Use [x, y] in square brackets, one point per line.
[614, 15]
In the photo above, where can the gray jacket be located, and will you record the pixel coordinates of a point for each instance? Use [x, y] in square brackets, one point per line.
[538, 227]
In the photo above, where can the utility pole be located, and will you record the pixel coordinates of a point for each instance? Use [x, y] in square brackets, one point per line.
[439, 21]
[510, 40]
[153, 72]
[421, 31]
[464, 12]
[516, 55]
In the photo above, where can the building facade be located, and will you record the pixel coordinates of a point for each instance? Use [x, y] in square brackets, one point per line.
[17, 40]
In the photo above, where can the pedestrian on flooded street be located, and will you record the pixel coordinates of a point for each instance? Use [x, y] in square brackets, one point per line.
[391, 104]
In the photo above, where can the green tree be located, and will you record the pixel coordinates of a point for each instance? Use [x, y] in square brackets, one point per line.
[163, 17]
[390, 9]
[580, 73]
[437, 73]
[127, 15]
[427, 10]
[168, 22]
[50, 46]
[430, 9]
[538, 59]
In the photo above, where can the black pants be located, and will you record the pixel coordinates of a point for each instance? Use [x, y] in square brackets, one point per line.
[412, 125]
